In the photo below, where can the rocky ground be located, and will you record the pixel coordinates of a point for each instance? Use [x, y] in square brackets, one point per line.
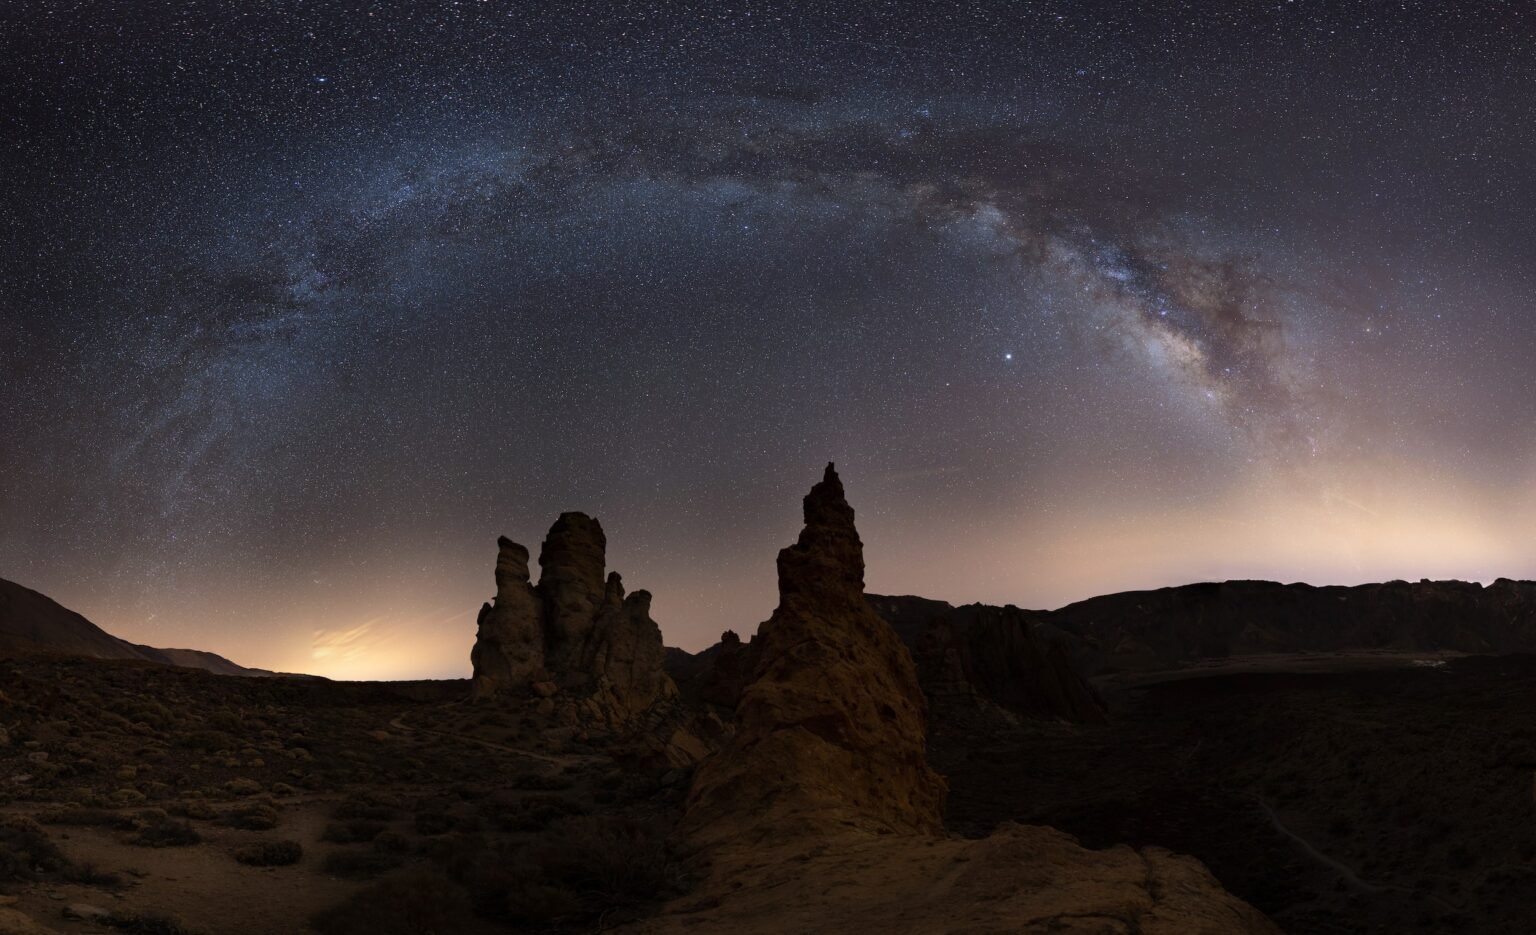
[1369, 798]
[153, 799]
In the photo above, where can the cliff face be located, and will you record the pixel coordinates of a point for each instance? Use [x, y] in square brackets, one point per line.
[978, 656]
[830, 730]
[575, 628]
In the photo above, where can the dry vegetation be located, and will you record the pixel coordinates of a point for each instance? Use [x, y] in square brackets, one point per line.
[416, 812]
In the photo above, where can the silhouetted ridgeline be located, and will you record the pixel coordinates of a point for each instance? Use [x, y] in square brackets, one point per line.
[1156, 629]
[32, 623]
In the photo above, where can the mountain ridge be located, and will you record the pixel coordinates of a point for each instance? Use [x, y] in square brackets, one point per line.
[32, 623]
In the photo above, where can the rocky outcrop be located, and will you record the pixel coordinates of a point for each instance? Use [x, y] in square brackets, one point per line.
[821, 815]
[829, 733]
[992, 661]
[714, 676]
[978, 657]
[574, 631]
[623, 650]
[571, 582]
[509, 647]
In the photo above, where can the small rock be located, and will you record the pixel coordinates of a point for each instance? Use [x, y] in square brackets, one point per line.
[85, 911]
[544, 689]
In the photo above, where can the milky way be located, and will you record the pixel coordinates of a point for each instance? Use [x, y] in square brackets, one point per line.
[304, 306]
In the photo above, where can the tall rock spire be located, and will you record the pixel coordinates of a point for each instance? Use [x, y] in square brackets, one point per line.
[830, 732]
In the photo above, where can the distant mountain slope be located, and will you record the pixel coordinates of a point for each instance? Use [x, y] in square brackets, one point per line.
[1163, 628]
[32, 623]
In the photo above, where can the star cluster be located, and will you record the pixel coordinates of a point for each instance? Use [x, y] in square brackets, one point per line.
[301, 305]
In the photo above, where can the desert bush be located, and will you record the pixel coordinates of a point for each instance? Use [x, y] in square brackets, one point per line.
[147, 923]
[270, 853]
[250, 816]
[418, 903]
[618, 860]
[87, 817]
[196, 808]
[26, 850]
[391, 842]
[242, 787]
[580, 867]
[358, 864]
[206, 741]
[354, 808]
[433, 823]
[167, 832]
[227, 720]
[355, 831]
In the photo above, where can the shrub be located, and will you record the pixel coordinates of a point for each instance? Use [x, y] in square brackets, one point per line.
[147, 923]
[167, 832]
[618, 860]
[251, 816]
[358, 864]
[420, 902]
[356, 831]
[83, 817]
[433, 823]
[364, 808]
[26, 850]
[270, 853]
[391, 842]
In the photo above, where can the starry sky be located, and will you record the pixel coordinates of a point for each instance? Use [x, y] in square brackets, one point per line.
[303, 303]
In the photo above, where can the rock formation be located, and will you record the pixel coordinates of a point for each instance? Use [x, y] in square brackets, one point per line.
[714, 676]
[830, 731]
[991, 661]
[509, 648]
[575, 630]
[821, 815]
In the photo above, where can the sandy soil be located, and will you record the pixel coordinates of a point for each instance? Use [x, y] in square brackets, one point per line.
[203, 884]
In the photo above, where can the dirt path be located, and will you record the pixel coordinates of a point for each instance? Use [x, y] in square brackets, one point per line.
[1343, 870]
[202, 884]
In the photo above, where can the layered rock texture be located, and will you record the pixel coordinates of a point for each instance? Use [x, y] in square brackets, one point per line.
[822, 815]
[830, 731]
[576, 630]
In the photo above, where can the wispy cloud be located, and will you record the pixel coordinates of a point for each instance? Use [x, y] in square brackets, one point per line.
[343, 645]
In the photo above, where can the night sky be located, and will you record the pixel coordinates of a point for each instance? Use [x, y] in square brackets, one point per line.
[303, 304]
